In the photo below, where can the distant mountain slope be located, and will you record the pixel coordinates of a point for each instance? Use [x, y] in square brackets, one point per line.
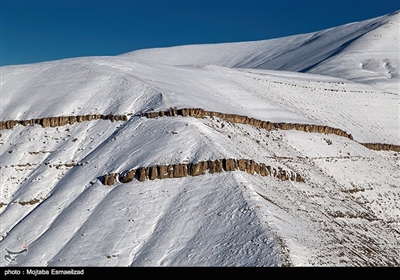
[366, 51]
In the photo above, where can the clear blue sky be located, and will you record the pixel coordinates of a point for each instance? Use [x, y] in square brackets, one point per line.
[34, 31]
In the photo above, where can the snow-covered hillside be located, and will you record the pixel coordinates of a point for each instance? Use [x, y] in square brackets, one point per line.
[365, 52]
[345, 212]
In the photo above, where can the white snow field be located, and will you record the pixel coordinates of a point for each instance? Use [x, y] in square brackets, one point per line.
[55, 210]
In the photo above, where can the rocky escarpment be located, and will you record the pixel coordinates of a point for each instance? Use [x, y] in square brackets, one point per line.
[195, 169]
[61, 120]
[240, 119]
[381, 147]
[198, 113]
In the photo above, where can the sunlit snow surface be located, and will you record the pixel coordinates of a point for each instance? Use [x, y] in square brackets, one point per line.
[347, 212]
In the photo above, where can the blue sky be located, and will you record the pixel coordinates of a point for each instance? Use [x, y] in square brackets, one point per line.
[34, 31]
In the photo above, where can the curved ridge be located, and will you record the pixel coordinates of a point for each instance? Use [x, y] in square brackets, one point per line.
[199, 113]
[200, 168]
[240, 119]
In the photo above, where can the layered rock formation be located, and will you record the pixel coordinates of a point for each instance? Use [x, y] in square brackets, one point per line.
[197, 113]
[195, 169]
[240, 119]
[61, 120]
[381, 147]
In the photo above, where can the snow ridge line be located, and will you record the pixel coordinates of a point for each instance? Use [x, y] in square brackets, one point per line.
[240, 119]
[195, 169]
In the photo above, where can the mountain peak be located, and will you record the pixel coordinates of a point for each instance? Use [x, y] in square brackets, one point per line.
[318, 52]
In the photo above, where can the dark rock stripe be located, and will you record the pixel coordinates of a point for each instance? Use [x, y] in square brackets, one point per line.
[240, 119]
[61, 120]
[380, 146]
[198, 113]
[195, 169]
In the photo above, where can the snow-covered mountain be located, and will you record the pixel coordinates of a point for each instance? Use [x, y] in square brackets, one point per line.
[292, 159]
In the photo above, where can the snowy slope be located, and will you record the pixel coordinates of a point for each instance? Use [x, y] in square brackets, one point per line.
[345, 213]
[334, 52]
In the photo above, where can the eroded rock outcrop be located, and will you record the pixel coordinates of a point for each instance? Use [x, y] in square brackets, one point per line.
[200, 168]
[381, 147]
[240, 119]
[110, 179]
[61, 120]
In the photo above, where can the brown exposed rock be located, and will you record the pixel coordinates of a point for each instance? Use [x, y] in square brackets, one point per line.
[180, 170]
[30, 202]
[25, 123]
[143, 172]
[128, 177]
[234, 118]
[72, 119]
[229, 164]
[298, 178]
[267, 125]
[263, 170]
[242, 164]
[45, 122]
[162, 171]
[380, 146]
[256, 168]
[285, 126]
[293, 176]
[153, 172]
[215, 166]
[63, 120]
[184, 112]
[197, 113]
[151, 115]
[8, 124]
[283, 174]
[109, 179]
[250, 166]
[170, 170]
[211, 166]
[218, 165]
[299, 127]
[195, 169]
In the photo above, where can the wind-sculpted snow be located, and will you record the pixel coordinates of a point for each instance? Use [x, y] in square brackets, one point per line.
[333, 52]
[346, 188]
